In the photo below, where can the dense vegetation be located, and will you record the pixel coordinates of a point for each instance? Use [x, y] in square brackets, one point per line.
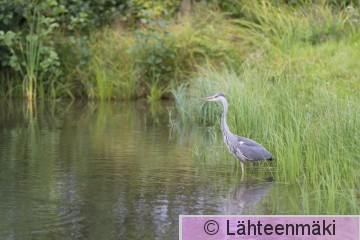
[100, 49]
[115, 49]
[297, 94]
[289, 68]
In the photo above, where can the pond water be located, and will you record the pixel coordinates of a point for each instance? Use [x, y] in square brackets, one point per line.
[85, 170]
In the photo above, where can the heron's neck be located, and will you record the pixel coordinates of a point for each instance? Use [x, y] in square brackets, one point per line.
[223, 116]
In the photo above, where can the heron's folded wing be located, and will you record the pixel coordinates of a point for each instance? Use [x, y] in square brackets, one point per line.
[253, 150]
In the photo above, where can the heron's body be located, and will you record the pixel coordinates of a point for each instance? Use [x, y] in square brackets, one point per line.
[245, 149]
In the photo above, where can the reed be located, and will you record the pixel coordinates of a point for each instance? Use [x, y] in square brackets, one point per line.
[31, 58]
[111, 69]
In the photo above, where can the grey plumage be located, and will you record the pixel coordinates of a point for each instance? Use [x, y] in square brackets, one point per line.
[245, 149]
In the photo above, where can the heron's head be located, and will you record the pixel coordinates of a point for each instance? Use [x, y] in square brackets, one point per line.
[216, 97]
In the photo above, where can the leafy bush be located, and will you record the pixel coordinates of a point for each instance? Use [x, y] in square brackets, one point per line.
[27, 42]
[155, 53]
[28, 51]
[145, 10]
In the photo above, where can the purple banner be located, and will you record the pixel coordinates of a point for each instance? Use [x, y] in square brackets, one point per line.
[269, 227]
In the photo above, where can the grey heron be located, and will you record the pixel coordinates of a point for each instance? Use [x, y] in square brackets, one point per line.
[245, 149]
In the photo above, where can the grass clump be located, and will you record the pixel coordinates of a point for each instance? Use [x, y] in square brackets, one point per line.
[111, 73]
[281, 24]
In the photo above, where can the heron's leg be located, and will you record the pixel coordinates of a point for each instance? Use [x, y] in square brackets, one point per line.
[242, 168]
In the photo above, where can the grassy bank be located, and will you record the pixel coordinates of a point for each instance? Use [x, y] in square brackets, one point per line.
[145, 49]
[298, 96]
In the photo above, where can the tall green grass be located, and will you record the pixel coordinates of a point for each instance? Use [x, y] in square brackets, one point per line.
[110, 73]
[312, 133]
[267, 23]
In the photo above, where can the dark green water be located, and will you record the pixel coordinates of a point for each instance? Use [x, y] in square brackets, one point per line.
[116, 171]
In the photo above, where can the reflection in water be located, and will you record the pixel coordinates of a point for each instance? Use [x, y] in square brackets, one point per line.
[108, 171]
[247, 195]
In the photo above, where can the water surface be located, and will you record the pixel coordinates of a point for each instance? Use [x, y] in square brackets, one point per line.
[116, 171]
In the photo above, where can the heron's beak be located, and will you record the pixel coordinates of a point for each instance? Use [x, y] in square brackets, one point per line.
[205, 99]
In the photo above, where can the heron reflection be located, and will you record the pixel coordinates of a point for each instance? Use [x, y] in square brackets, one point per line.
[247, 195]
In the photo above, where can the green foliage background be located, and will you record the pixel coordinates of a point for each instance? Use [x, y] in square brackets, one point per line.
[116, 49]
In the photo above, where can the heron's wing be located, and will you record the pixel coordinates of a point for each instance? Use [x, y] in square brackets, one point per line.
[252, 150]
